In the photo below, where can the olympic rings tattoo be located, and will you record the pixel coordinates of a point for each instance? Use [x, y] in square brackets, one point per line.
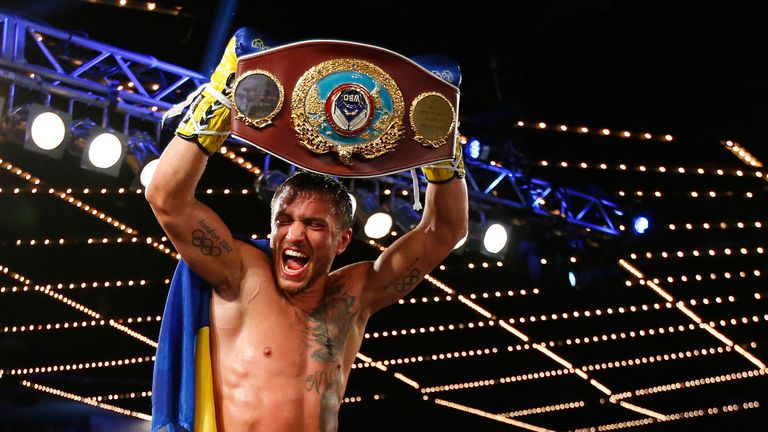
[408, 280]
[206, 245]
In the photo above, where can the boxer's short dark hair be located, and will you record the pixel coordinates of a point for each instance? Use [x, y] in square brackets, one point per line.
[305, 182]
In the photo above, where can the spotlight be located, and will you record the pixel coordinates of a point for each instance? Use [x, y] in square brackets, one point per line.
[143, 156]
[46, 130]
[641, 224]
[476, 150]
[376, 223]
[495, 239]
[572, 278]
[145, 177]
[104, 151]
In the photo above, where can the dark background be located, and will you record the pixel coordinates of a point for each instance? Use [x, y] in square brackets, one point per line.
[696, 72]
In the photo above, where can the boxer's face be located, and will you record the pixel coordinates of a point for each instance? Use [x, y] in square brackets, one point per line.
[305, 239]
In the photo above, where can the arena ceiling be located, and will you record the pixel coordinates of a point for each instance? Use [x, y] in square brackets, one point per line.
[695, 74]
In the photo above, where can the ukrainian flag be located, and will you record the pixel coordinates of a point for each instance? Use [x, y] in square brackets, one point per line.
[182, 384]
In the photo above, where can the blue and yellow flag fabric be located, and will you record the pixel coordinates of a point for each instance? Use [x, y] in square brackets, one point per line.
[182, 385]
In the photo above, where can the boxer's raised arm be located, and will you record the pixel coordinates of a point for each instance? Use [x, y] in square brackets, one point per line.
[405, 263]
[196, 231]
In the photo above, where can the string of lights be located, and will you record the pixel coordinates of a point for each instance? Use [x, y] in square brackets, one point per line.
[66, 197]
[553, 317]
[89, 240]
[485, 295]
[77, 306]
[723, 225]
[93, 284]
[432, 357]
[696, 253]
[77, 324]
[607, 337]
[122, 191]
[585, 130]
[724, 409]
[690, 194]
[544, 409]
[692, 383]
[699, 277]
[684, 309]
[655, 169]
[239, 160]
[85, 400]
[483, 265]
[541, 348]
[79, 366]
[369, 362]
[69, 190]
[77, 203]
[742, 153]
[122, 396]
[616, 364]
[488, 415]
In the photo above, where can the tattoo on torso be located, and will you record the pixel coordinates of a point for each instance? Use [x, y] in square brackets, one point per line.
[329, 324]
[328, 328]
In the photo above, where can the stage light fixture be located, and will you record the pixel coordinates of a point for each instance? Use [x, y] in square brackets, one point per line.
[572, 278]
[142, 157]
[376, 223]
[476, 150]
[641, 224]
[104, 151]
[147, 172]
[46, 130]
[495, 239]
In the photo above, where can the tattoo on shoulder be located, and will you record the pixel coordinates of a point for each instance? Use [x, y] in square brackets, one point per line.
[208, 240]
[409, 279]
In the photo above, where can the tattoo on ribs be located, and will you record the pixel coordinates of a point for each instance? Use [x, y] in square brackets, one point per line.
[409, 279]
[208, 240]
[323, 378]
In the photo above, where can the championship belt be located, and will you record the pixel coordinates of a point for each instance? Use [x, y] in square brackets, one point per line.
[344, 109]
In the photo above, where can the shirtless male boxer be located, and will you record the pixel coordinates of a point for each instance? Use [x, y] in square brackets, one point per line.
[285, 331]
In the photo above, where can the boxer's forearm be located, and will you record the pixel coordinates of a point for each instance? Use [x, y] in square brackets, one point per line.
[446, 210]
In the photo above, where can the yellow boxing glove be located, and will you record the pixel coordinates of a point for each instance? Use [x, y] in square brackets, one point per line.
[443, 172]
[207, 121]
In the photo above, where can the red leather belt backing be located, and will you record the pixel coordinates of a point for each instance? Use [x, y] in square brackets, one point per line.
[343, 109]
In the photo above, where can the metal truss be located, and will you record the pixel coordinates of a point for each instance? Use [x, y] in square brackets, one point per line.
[53, 61]
[512, 188]
[492, 186]
[56, 62]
